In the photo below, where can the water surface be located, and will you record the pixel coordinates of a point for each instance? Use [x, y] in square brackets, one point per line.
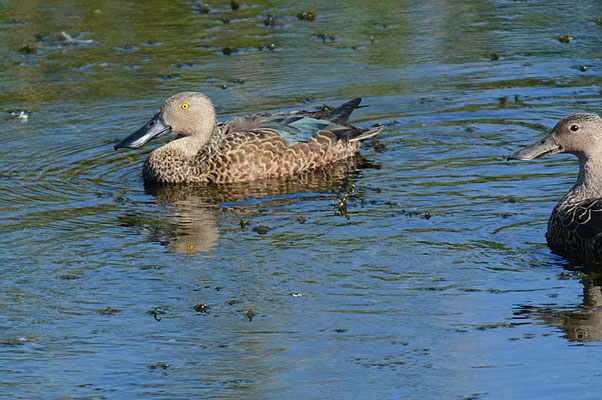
[418, 270]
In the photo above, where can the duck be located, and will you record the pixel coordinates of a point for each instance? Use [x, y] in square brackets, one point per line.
[257, 146]
[575, 225]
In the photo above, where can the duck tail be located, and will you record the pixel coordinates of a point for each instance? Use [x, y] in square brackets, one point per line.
[368, 133]
[339, 115]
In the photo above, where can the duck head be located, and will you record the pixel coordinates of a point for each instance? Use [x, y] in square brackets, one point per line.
[187, 114]
[579, 134]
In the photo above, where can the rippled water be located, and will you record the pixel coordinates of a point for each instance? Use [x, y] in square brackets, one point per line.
[419, 270]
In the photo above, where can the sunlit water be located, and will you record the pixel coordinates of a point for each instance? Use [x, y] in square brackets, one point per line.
[418, 271]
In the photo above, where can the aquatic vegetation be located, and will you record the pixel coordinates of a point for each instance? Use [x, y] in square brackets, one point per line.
[155, 312]
[160, 365]
[68, 277]
[270, 47]
[273, 21]
[262, 229]
[307, 16]
[229, 50]
[201, 308]
[109, 311]
[340, 202]
[147, 267]
[27, 49]
[235, 4]
[324, 36]
[250, 314]
[493, 56]
[378, 145]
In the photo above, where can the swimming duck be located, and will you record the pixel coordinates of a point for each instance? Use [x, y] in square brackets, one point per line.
[575, 226]
[245, 148]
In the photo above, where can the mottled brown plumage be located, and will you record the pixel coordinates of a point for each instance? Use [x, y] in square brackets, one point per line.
[575, 225]
[245, 148]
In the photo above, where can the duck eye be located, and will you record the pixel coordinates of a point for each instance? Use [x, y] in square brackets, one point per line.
[185, 106]
[574, 128]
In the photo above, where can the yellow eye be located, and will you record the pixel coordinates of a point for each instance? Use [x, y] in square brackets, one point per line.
[185, 106]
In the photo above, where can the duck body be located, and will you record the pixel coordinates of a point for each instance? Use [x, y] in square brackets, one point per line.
[575, 225]
[245, 148]
[575, 230]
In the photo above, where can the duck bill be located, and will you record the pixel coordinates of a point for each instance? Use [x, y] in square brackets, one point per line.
[155, 128]
[545, 147]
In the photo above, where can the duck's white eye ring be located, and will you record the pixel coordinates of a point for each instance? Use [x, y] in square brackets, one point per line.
[574, 128]
[184, 106]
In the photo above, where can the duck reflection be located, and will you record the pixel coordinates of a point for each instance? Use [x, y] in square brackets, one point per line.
[197, 209]
[581, 324]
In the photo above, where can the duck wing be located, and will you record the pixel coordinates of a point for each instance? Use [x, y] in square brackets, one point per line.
[584, 220]
[299, 126]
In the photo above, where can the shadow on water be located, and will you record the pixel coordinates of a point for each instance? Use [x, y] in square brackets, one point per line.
[582, 323]
[197, 210]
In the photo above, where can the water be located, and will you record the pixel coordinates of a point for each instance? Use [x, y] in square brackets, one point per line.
[433, 280]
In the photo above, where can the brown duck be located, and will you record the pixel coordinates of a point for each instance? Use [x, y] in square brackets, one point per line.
[575, 226]
[245, 148]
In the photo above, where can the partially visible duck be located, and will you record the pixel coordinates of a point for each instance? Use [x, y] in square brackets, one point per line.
[245, 148]
[575, 226]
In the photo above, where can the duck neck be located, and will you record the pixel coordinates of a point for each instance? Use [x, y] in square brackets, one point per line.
[188, 146]
[589, 182]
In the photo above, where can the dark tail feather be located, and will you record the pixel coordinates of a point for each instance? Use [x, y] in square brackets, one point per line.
[340, 114]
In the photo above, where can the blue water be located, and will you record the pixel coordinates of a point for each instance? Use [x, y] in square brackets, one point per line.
[435, 280]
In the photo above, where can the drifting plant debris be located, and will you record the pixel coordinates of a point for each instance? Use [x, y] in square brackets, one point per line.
[565, 38]
[159, 365]
[109, 311]
[325, 36]
[262, 229]
[155, 312]
[307, 16]
[229, 50]
[340, 202]
[201, 308]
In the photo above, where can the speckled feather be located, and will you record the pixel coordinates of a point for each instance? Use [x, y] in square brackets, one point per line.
[575, 229]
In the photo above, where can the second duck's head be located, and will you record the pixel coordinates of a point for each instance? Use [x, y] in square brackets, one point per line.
[187, 114]
[579, 134]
